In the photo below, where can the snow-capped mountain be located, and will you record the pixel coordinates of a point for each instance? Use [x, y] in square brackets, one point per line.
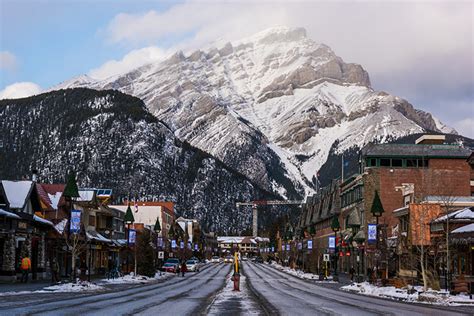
[270, 106]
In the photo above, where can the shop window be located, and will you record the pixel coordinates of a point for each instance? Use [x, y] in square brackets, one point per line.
[384, 162]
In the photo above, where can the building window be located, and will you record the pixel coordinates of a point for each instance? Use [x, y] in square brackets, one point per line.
[372, 162]
[411, 163]
[422, 163]
[385, 162]
[91, 220]
[396, 162]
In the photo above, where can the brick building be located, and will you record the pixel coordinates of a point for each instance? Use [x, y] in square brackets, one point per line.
[425, 169]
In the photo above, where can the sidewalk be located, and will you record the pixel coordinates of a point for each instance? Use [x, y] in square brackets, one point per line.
[34, 285]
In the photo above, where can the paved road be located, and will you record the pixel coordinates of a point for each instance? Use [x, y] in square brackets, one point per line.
[177, 296]
[287, 295]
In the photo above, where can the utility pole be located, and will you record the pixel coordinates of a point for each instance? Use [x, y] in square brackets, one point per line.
[255, 204]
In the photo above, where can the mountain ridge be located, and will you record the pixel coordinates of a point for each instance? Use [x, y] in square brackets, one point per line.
[259, 103]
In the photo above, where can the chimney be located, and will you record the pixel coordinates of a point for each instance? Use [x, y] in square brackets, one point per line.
[431, 140]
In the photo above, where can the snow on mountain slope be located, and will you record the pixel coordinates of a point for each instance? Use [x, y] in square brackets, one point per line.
[261, 103]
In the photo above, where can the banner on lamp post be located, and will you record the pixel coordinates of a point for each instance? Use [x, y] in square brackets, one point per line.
[159, 242]
[181, 245]
[75, 225]
[332, 242]
[310, 244]
[132, 236]
[287, 247]
[273, 249]
[173, 244]
[372, 233]
[196, 247]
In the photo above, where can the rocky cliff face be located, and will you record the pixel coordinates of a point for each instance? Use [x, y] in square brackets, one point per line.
[270, 106]
[112, 141]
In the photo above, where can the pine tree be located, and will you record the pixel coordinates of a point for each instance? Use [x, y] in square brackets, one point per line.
[145, 254]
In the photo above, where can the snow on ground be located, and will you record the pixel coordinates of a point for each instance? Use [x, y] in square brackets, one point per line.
[428, 297]
[132, 279]
[300, 274]
[233, 301]
[81, 286]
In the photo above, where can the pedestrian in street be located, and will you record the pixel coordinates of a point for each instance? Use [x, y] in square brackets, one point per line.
[54, 271]
[25, 269]
[178, 266]
[351, 273]
[183, 268]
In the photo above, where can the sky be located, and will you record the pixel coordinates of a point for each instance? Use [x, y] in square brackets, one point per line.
[422, 51]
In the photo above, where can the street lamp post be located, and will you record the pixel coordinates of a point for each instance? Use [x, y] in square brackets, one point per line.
[377, 211]
[128, 220]
[157, 230]
[335, 228]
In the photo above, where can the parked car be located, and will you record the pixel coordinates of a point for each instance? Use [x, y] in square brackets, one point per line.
[244, 258]
[215, 259]
[258, 259]
[170, 265]
[228, 259]
[193, 265]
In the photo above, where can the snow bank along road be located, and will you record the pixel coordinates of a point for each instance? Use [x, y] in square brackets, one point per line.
[177, 296]
[285, 294]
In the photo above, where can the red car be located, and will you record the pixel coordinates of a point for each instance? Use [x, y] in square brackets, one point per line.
[171, 265]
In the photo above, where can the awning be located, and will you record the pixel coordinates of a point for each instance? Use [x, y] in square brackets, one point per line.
[401, 211]
[93, 235]
[8, 214]
[354, 218]
[41, 220]
[360, 236]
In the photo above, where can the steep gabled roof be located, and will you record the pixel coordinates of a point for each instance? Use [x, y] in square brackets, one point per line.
[17, 192]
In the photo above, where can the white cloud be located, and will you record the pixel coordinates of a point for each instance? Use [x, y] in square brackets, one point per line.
[465, 127]
[8, 61]
[20, 90]
[421, 51]
[133, 59]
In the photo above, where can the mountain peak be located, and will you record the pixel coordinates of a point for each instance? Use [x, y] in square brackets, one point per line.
[278, 34]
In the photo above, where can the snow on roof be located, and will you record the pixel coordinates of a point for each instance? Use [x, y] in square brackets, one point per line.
[8, 214]
[230, 239]
[466, 214]
[61, 226]
[36, 218]
[96, 236]
[464, 229]
[86, 195]
[54, 198]
[17, 192]
[240, 239]
[262, 239]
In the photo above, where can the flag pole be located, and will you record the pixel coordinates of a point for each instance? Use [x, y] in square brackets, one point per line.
[342, 168]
